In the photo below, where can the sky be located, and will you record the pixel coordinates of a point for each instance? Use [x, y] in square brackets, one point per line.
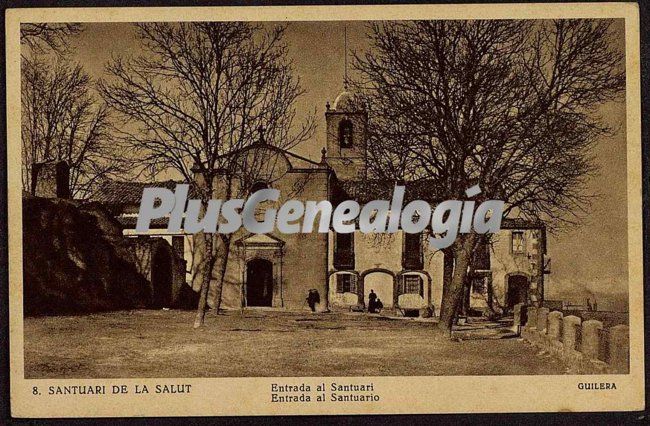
[589, 260]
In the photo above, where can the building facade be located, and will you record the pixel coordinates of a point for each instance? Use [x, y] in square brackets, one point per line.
[277, 270]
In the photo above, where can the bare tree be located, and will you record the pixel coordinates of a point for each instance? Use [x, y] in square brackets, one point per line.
[509, 105]
[62, 120]
[41, 36]
[200, 95]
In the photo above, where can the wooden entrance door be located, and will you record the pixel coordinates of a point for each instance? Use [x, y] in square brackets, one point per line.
[259, 283]
[517, 290]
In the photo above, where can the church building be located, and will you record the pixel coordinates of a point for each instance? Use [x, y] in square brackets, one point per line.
[277, 270]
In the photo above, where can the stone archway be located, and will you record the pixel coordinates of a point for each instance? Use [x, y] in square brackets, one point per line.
[161, 277]
[382, 281]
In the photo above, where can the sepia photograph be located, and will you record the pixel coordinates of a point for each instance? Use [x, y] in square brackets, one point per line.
[428, 197]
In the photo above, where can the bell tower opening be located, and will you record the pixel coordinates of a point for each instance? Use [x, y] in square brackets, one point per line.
[346, 133]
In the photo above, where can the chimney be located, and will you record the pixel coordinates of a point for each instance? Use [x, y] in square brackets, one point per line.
[199, 177]
[51, 180]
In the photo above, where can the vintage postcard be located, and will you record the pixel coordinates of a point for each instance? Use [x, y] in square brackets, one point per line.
[325, 210]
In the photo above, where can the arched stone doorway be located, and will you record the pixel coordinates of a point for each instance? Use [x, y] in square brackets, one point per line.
[259, 282]
[517, 286]
[161, 278]
[383, 284]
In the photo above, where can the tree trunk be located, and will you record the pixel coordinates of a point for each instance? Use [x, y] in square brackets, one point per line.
[220, 257]
[490, 295]
[225, 254]
[205, 282]
[447, 271]
[464, 306]
[452, 297]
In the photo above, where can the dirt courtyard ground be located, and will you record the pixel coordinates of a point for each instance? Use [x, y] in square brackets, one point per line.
[148, 343]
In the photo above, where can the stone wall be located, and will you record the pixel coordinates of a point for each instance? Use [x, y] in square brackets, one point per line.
[586, 346]
[75, 260]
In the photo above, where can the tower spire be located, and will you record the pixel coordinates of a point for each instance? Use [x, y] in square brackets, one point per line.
[345, 47]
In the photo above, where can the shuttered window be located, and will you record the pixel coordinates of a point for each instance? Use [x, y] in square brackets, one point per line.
[412, 256]
[346, 283]
[412, 284]
[344, 251]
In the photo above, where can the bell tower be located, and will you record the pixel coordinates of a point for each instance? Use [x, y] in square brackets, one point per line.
[346, 137]
[346, 123]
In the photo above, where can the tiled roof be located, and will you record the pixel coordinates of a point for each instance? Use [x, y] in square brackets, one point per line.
[368, 190]
[520, 223]
[131, 221]
[259, 150]
[128, 193]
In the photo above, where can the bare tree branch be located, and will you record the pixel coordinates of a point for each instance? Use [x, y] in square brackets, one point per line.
[508, 105]
[62, 120]
[197, 100]
[41, 36]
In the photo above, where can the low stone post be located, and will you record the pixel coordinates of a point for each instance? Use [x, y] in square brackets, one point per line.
[519, 313]
[554, 331]
[590, 338]
[569, 329]
[542, 316]
[532, 317]
[619, 348]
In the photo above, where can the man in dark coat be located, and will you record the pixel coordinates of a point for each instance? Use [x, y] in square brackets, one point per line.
[372, 302]
[313, 298]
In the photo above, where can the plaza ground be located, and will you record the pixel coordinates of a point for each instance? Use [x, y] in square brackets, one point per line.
[162, 343]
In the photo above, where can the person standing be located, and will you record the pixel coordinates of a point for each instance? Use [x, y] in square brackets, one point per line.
[312, 299]
[372, 302]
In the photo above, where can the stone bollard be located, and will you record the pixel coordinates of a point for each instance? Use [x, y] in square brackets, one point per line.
[590, 338]
[532, 317]
[554, 331]
[542, 316]
[619, 348]
[519, 313]
[569, 329]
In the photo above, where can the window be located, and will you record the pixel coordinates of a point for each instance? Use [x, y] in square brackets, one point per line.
[344, 251]
[412, 284]
[412, 256]
[478, 285]
[345, 133]
[518, 243]
[346, 283]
